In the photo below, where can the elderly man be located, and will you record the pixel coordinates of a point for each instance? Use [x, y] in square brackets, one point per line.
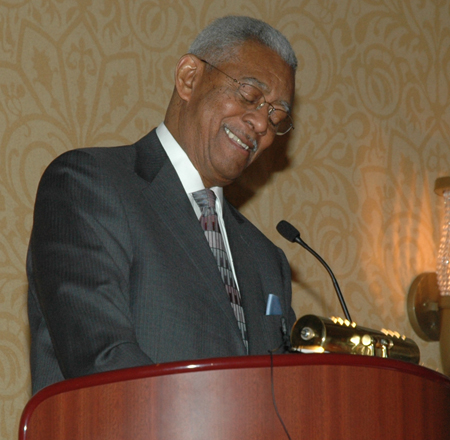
[121, 271]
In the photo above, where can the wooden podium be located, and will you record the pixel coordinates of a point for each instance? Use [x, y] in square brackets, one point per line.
[318, 396]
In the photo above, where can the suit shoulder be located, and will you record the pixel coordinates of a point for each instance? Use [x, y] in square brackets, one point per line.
[122, 157]
[119, 155]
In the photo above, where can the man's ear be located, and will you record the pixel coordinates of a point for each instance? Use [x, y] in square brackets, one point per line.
[188, 72]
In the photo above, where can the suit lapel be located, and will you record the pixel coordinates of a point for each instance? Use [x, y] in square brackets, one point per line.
[250, 284]
[167, 198]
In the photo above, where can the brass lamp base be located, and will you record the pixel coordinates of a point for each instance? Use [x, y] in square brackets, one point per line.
[429, 314]
[444, 305]
[423, 306]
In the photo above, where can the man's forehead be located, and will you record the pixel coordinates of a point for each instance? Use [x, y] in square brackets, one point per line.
[255, 63]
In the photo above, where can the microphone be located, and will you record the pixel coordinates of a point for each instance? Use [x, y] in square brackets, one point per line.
[292, 234]
[335, 335]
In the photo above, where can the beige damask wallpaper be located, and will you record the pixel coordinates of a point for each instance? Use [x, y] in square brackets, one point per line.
[356, 176]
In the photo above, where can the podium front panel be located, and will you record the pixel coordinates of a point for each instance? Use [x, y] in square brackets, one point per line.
[317, 396]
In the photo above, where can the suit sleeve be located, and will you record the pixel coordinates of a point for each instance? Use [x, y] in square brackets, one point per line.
[81, 256]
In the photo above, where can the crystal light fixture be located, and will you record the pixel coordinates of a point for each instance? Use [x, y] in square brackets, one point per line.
[442, 187]
[429, 295]
[443, 261]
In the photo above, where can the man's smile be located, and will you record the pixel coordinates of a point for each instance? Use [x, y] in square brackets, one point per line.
[236, 139]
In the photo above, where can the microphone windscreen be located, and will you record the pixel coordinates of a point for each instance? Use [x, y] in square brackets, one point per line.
[288, 231]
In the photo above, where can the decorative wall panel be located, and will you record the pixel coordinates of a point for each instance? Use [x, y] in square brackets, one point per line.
[356, 176]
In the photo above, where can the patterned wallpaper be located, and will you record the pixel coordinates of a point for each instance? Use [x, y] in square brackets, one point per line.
[356, 175]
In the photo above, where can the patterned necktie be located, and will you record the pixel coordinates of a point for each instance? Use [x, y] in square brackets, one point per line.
[206, 200]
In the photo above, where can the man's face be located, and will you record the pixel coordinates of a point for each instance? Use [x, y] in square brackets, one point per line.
[220, 131]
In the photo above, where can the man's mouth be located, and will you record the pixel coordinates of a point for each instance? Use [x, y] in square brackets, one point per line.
[234, 138]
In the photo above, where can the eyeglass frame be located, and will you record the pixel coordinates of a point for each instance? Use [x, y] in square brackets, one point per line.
[271, 107]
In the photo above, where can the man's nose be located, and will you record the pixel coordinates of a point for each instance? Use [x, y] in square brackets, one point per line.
[258, 118]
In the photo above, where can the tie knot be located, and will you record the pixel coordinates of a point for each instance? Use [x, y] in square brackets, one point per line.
[205, 198]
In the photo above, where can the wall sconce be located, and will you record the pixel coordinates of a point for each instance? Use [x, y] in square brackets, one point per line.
[429, 295]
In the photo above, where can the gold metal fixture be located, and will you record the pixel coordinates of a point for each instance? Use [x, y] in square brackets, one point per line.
[313, 333]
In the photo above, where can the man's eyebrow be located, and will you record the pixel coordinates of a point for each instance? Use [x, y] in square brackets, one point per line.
[255, 82]
[287, 107]
[265, 89]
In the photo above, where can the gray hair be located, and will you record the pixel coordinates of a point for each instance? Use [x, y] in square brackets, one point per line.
[218, 39]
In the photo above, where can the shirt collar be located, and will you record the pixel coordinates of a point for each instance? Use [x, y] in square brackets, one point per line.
[187, 173]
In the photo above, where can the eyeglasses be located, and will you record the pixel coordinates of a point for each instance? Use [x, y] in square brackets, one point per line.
[280, 121]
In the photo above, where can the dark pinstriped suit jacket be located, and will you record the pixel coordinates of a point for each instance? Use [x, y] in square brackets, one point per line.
[120, 273]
